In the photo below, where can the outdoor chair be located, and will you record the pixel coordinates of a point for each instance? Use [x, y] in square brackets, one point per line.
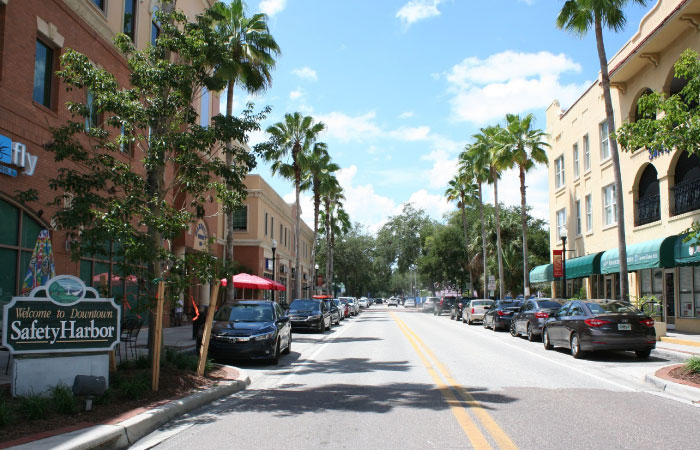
[130, 332]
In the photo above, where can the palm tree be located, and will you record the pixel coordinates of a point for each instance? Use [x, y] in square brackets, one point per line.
[577, 16]
[461, 189]
[522, 147]
[250, 56]
[332, 200]
[319, 170]
[293, 137]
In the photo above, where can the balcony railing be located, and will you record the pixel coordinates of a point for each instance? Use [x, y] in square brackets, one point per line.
[648, 210]
[686, 196]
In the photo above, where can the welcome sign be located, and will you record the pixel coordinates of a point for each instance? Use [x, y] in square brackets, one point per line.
[58, 318]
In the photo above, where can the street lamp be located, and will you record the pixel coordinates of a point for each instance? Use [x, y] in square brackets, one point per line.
[563, 234]
[315, 279]
[274, 249]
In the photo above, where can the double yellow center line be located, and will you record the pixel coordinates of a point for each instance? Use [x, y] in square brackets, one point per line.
[460, 408]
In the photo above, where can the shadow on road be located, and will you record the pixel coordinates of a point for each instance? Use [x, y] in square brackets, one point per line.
[346, 365]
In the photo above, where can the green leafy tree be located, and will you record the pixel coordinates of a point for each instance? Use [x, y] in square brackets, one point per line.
[522, 146]
[578, 16]
[249, 53]
[294, 137]
[145, 206]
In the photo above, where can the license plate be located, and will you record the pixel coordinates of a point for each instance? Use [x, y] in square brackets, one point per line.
[624, 326]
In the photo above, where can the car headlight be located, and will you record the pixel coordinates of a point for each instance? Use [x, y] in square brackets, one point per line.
[263, 337]
[316, 317]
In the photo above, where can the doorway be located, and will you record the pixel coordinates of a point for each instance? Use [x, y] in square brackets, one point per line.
[611, 287]
[670, 297]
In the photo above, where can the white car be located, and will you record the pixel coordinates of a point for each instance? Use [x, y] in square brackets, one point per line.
[393, 302]
[409, 303]
[353, 303]
[364, 302]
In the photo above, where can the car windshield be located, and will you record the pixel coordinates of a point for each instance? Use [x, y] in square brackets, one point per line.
[432, 300]
[344, 302]
[337, 302]
[548, 304]
[303, 305]
[612, 307]
[481, 302]
[509, 304]
[244, 313]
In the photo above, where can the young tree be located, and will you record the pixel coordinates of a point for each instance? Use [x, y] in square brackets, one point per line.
[145, 205]
[578, 16]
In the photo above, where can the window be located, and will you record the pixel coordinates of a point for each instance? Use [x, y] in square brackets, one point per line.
[561, 221]
[578, 217]
[155, 28]
[204, 108]
[576, 161]
[130, 19]
[43, 74]
[93, 118]
[125, 145]
[240, 218]
[586, 154]
[272, 227]
[604, 142]
[282, 235]
[265, 224]
[100, 4]
[589, 214]
[609, 205]
[559, 172]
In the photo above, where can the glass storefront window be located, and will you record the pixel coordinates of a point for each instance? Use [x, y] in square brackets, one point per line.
[685, 283]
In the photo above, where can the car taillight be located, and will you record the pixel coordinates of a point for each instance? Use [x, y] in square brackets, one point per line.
[647, 322]
[472, 310]
[596, 322]
[541, 315]
[501, 313]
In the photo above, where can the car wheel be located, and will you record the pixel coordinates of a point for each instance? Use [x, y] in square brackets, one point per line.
[275, 358]
[289, 345]
[643, 354]
[530, 334]
[545, 340]
[512, 330]
[485, 325]
[576, 347]
[328, 327]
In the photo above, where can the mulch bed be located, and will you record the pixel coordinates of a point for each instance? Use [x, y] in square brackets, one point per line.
[679, 374]
[173, 384]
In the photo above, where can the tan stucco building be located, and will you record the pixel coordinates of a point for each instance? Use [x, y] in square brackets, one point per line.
[661, 192]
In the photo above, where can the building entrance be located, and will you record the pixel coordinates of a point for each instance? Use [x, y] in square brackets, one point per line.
[670, 298]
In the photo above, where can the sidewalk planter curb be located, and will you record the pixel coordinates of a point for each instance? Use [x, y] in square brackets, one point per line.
[679, 390]
[671, 354]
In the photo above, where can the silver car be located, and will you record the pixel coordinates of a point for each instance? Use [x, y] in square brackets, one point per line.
[353, 304]
[430, 303]
[475, 310]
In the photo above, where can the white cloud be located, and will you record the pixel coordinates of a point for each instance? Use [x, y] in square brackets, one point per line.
[296, 94]
[411, 134]
[406, 115]
[272, 7]
[306, 73]
[537, 194]
[362, 203]
[416, 10]
[443, 170]
[434, 205]
[307, 206]
[510, 82]
[346, 128]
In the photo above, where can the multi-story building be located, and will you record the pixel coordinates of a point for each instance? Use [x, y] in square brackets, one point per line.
[661, 192]
[265, 221]
[33, 35]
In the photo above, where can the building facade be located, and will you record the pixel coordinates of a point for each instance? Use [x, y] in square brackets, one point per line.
[33, 35]
[661, 192]
[267, 218]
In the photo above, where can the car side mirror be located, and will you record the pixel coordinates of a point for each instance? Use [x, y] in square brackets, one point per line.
[283, 319]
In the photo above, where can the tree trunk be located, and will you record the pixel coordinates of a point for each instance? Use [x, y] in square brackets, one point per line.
[466, 239]
[297, 272]
[619, 194]
[499, 250]
[483, 243]
[230, 288]
[523, 213]
[317, 207]
[332, 253]
[155, 180]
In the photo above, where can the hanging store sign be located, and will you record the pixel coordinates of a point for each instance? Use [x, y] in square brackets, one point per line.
[558, 263]
[201, 235]
[58, 318]
[16, 154]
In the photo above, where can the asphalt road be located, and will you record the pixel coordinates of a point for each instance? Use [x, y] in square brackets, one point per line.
[400, 379]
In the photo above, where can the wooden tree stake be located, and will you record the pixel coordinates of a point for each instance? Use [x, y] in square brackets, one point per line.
[204, 349]
[160, 300]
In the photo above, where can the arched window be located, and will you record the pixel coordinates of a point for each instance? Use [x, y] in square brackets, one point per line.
[636, 114]
[686, 189]
[648, 203]
[677, 85]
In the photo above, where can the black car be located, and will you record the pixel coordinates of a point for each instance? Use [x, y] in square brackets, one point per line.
[531, 317]
[335, 312]
[500, 314]
[250, 330]
[588, 325]
[445, 304]
[310, 314]
[458, 306]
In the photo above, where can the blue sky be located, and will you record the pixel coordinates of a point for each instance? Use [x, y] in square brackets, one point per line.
[402, 85]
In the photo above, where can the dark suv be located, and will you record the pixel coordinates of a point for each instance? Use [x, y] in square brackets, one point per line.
[458, 306]
[445, 304]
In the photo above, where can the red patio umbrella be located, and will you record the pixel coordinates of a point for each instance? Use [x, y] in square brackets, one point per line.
[276, 286]
[248, 281]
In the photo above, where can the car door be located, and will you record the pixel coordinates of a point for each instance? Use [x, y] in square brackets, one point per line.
[520, 318]
[572, 321]
[283, 324]
[555, 325]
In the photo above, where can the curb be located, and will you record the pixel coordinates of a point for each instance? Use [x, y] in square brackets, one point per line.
[679, 390]
[126, 433]
[678, 341]
[673, 355]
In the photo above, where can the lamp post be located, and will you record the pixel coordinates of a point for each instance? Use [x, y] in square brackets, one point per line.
[315, 280]
[563, 234]
[274, 273]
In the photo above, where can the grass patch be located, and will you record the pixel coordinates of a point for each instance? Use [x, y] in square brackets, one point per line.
[693, 364]
[35, 407]
[7, 414]
[63, 400]
[134, 387]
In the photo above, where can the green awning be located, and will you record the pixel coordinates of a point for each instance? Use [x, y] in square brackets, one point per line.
[583, 266]
[686, 252]
[542, 274]
[644, 255]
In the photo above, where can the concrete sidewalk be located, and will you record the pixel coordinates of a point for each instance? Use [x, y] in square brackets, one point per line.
[679, 346]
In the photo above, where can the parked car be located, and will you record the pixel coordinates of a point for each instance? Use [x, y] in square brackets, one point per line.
[531, 317]
[364, 302]
[409, 303]
[476, 309]
[393, 301]
[343, 308]
[310, 314]
[348, 306]
[335, 312]
[500, 314]
[590, 325]
[379, 301]
[458, 307]
[445, 304]
[354, 305]
[430, 303]
[250, 329]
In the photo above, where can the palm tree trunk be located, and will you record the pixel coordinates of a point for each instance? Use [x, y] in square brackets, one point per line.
[466, 239]
[523, 213]
[619, 194]
[332, 253]
[501, 287]
[297, 275]
[317, 207]
[230, 289]
[483, 242]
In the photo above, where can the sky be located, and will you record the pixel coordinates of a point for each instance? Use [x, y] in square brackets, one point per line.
[402, 85]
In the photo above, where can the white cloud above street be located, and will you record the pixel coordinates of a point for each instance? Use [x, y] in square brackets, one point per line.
[416, 10]
[296, 94]
[272, 7]
[306, 73]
